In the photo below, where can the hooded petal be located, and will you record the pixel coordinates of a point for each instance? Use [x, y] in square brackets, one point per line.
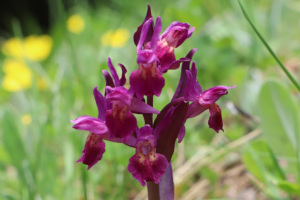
[93, 150]
[193, 89]
[119, 94]
[146, 57]
[177, 33]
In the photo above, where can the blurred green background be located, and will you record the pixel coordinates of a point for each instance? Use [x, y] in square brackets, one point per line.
[48, 75]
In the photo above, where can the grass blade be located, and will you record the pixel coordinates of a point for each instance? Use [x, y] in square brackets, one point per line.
[269, 48]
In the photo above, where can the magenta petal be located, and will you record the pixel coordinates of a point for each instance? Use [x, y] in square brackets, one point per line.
[181, 133]
[108, 79]
[90, 124]
[93, 150]
[144, 169]
[211, 95]
[123, 78]
[191, 32]
[81, 118]
[157, 29]
[113, 72]
[176, 63]
[193, 89]
[121, 124]
[215, 119]
[137, 34]
[195, 109]
[101, 104]
[144, 33]
[140, 107]
[183, 78]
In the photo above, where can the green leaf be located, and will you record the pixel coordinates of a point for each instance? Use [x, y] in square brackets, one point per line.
[259, 162]
[12, 141]
[291, 188]
[279, 118]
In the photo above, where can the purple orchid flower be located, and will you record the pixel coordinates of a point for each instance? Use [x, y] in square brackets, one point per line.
[120, 104]
[119, 119]
[172, 38]
[154, 142]
[204, 100]
[163, 46]
[146, 164]
[147, 79]
[94, 146]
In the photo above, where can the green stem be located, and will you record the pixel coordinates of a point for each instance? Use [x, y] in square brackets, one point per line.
[149, 117]
[153, 189]
[269, 48]
[84, 182]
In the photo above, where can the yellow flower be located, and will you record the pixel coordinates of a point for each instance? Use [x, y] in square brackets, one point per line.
[37, 48]
[26, 119]
[13, 47]
[17, 76]
[116, 38]
[75, 24]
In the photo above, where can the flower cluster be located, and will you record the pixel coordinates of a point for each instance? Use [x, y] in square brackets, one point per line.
[116, 122]
[17, 74]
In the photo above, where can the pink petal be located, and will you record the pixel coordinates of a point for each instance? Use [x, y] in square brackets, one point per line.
[211, 95]
[138, 106]
[90, 124]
